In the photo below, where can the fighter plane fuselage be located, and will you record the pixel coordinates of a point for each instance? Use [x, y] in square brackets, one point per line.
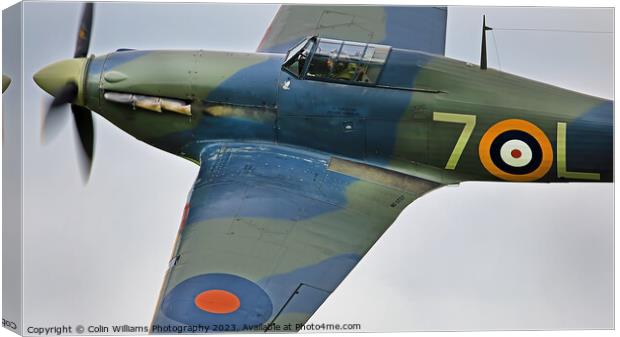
[416, 113]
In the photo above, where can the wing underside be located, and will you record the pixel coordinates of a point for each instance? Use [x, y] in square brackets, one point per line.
[271, 231]
[408, 27]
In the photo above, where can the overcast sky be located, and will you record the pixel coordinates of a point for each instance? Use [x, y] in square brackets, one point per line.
[477, 256]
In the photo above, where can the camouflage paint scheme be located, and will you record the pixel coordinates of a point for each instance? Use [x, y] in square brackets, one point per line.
[297, 184]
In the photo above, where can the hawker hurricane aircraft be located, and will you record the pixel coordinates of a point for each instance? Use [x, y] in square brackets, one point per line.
[310, 147]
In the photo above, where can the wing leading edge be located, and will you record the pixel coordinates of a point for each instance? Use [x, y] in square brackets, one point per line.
[271, 231]
[407, 27]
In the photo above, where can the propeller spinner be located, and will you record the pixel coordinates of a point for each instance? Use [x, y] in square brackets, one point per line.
[64, 80]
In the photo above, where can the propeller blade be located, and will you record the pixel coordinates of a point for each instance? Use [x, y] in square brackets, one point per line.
[53, 115]
[84, 123]
[67, 94]
[83, 38]
[52, 121]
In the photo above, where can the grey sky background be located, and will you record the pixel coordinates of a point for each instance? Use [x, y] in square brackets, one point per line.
[477, 256]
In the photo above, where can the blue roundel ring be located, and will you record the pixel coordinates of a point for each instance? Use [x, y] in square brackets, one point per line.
[255, 306]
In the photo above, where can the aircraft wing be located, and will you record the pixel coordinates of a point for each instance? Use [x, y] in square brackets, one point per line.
[408, 27]
[270, 231]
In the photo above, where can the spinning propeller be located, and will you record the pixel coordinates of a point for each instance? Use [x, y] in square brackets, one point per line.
[64, 80]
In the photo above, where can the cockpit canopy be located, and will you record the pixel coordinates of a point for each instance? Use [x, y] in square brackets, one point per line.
[336, 60]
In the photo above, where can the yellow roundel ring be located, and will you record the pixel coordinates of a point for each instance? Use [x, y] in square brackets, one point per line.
[516, 150]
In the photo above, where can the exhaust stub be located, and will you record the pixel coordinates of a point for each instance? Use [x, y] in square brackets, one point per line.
[150, 103]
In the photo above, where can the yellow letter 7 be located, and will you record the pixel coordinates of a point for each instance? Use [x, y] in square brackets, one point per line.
[470, 123]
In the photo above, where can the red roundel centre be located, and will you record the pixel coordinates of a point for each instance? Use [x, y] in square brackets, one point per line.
[217, 301]
[515, 153]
